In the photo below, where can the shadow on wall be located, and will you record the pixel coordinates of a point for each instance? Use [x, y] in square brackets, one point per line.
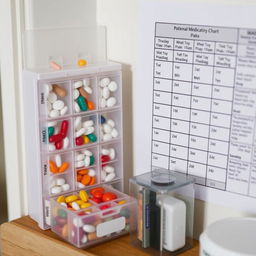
[3, 198]
[127, 124]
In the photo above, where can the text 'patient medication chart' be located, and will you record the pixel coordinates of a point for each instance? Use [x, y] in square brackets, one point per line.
[204, 104]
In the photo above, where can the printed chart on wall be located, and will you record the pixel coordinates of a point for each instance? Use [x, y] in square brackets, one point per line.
[198, 84]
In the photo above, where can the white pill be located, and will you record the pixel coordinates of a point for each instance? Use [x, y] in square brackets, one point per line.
[65, 142]
[86, 82]
[52, 97]
[80, 185]
[103, 103]
[64, 204]
[88, 89]
[114, 133]
[49, 106]
[51, 147]
[60, 181]
[111, 122]
[104, 82]
[107, 128]
[58, 104]
[107, 137]
[109, 169]
[111, 102]
[78, 122]
[103, 175]
[48, 89]
[112, 86]
[112, 154]
[76, 94]
[87, 152]
[65, 187]
[105, 93]
[110, 177]
[56, 190]
[58, 160]
[78, 84]
[79, 157]
[84, 239]
[86, 161]
[105, 151]
[52, 124]
[64, 111]
[54, 113]
[77, 222]
[91, 173]
[77, 108]
[80, 132]
[88, 123]
[79, 164]
[89, 228]
[75, 206]
[89, 130]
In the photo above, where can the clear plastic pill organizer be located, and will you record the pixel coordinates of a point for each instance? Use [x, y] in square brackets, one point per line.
[74, 143]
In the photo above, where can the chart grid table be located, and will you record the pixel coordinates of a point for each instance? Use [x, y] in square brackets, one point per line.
[204, 102]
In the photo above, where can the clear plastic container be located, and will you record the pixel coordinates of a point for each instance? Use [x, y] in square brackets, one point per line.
[52, 139]
[165, 212]
[97, 222]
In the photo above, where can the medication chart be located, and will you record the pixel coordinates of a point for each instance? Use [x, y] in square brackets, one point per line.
[203, 100]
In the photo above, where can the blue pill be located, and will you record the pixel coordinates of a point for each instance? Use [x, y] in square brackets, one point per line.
[102, 120]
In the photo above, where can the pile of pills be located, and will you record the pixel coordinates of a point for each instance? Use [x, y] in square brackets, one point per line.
[81, 93]
[107, 154]
[84, 131]
[85, 177]
[55, 103]
[84, 158]
[59, 185]
[107, 88]
[58, 136]
[57, 166]
[108, 130]
[108, 173]
[84, 224]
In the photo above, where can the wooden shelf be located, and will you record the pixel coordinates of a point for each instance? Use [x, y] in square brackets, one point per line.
[22, 237]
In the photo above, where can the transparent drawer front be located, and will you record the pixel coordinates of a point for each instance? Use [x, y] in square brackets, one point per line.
[92, 216]
[84, 95]
[109, 90]
[110, 126]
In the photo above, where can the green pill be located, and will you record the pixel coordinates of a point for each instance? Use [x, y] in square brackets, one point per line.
[92, 137]
[50, 131]
[82, 103]
[92, 160]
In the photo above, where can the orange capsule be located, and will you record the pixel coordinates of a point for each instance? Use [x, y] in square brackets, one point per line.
[86, 180]
[64, 167]
[83, 171]
[79, 177]
[86, 139]
[53, 167]
[93, 180]
[90, 105]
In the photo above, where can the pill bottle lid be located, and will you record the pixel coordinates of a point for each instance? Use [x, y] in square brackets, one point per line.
[230, 237]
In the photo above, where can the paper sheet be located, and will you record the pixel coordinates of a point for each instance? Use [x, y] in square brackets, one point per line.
[196, 97]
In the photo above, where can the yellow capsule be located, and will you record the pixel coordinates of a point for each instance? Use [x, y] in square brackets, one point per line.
[122, 202]
[86, 139]
[61, 199]
[79, 202]
[71, 198]
[85, 205]
[83, 195]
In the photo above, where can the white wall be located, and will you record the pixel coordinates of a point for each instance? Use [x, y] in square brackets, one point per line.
[120, 18]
